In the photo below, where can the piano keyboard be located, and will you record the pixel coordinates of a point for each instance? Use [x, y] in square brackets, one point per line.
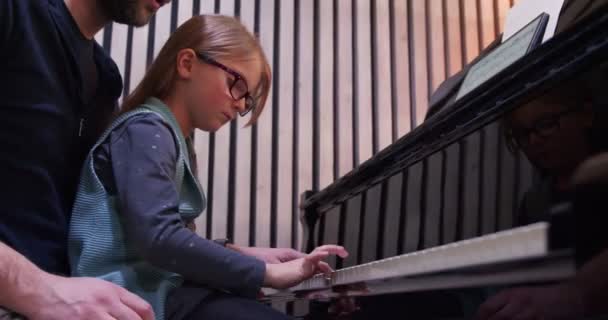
[514, 244]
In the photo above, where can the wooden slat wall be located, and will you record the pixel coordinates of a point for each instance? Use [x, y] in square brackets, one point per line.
[350, 77]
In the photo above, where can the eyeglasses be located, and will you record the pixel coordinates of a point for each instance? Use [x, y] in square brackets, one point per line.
[238, 87]
[543, 128]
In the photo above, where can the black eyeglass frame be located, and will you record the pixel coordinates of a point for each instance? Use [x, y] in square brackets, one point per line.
[249, 100]
[553, 121]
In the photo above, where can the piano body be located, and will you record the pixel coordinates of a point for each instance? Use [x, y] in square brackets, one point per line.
[434, 215]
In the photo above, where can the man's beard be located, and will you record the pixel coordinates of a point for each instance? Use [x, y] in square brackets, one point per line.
[123, 11]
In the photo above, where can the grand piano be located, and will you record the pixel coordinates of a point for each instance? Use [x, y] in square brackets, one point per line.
[432, 222]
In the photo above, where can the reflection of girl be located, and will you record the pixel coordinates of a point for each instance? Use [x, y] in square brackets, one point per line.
[556, 132]
[138, 191]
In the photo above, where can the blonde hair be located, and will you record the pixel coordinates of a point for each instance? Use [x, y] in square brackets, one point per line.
[217, 36]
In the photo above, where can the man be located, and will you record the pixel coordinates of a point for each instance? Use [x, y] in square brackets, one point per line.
[57, 89]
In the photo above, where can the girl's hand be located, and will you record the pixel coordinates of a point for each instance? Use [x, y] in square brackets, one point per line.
[289, 274]
[269, 255]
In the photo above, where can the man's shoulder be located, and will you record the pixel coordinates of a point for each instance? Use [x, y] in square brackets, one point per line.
[27, 7]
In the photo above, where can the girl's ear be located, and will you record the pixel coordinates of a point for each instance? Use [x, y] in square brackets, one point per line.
[184, 64]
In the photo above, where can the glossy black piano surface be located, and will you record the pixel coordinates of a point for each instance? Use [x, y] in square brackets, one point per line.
[502, 157]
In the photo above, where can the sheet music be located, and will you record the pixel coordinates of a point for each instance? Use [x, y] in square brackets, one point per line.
[526, 10]
[497, 60]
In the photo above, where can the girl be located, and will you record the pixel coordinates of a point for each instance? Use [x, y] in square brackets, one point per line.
[138, 192]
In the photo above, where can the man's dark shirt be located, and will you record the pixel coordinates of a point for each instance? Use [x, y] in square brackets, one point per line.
[57, 92]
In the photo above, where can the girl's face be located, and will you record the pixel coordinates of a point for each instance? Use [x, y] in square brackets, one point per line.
[208, 97]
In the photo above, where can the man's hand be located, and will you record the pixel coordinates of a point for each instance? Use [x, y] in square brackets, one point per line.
[270, 255]
[31, 292]
[534, 303]
[85, 298]
[288, 274]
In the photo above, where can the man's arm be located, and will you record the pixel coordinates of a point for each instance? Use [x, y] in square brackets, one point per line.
[19, 279]
[38, 295]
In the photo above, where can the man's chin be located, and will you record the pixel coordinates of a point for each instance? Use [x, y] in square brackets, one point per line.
[142, 18]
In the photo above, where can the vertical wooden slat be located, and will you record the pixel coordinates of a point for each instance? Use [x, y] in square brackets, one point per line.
[264, 139]
[151, 37]
[436, 43]
[196, 7]
[119, 46]
[344, 87]
[243, 153]
[325, 92]
[402, 67]
[454, 45]
[184, 11]
[419, 63]
[211, 178]
[201, 145]
[254, 151]
[162, 28]
[107, 37]
[126, 75]
[99, 37]
[363, 91]
[230, 223]
[503, 7]
[316, 149]
[305, 101]
[221, 172]
[471, 30]
[285, 132]
[275, 123]
[295, 225]
[207, 6]
[174, 8]
[383, 75]
[140, 48]
[487, 22]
